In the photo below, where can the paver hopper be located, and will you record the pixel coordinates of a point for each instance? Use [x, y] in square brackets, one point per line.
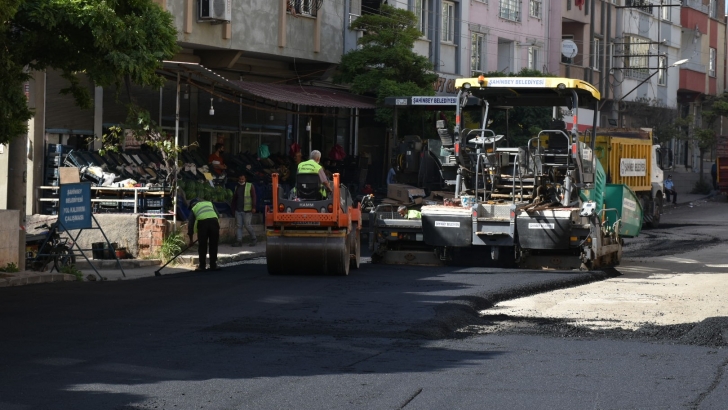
[311, 235]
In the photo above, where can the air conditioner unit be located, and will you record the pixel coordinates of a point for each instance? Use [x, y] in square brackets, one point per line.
[216, 10]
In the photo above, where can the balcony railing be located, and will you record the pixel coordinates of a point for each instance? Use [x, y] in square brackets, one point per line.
[636, 73]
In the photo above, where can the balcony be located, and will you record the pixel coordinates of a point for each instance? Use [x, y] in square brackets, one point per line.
[696, 5]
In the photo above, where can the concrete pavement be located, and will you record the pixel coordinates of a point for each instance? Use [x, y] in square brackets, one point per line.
[656, 288]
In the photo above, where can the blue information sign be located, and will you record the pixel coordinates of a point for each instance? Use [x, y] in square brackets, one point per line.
[74, 211]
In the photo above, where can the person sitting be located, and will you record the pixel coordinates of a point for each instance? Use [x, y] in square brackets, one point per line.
[411, 214]
[312, 167]
[670, 189]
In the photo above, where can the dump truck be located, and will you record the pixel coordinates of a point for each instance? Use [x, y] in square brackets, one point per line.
[310, 233]
[542, 205]
[629, 157]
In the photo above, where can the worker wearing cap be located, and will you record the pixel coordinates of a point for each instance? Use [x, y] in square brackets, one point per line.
[670, 189]
[312, 167]
[411, 214]
[203, 221]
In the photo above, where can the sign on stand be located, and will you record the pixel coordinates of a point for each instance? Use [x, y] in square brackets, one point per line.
[74, 210]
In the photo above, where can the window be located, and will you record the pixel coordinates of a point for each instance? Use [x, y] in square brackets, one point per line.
[533, 58]
[421, 13]
[597, 53]
[448, 22]
[510, 10]
[305, 7]
[534, 8]
[477, 42]
[641, 5]
[636, 56]
[662, 70]
[711, 63]
[713, 9]
[665, 11]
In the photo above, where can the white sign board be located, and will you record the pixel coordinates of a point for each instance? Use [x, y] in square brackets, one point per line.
[434, 100]
[632, 167]
[515, 82]
[569, 48]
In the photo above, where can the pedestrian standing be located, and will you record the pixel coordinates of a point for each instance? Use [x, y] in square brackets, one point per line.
[670, 190]
[203, 221]
[244, 201]
[392, 176]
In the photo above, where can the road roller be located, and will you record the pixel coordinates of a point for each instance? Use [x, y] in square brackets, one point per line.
[311, 233]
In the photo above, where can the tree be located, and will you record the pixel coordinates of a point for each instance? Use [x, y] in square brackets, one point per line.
[653, 113]
[386, 64]
[717, 106]
[112, 42]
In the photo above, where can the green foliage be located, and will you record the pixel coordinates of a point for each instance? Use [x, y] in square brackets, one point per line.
[113, 43]
[702, 186]
[10, 267]
[171, 246]
[386, 64]
[653, 113]
[72, 270]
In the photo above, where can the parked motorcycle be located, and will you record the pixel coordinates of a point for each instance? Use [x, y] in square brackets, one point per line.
[42, 248]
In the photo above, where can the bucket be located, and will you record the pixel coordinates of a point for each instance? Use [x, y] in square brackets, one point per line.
[467, 201]
[97, 250]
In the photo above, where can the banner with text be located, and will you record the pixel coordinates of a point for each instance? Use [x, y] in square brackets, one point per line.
[74, 211]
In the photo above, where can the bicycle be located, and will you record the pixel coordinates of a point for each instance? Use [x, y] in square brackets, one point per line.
[51, 247]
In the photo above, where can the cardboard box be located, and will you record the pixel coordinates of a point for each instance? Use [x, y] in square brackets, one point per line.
[404, 193]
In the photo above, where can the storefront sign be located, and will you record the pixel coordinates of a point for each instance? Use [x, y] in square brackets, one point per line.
[434, 100]
[444, 85]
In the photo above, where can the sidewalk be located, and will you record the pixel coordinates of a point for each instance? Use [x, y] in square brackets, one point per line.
[134, 268]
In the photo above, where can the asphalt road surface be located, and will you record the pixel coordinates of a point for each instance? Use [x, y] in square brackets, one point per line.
[383, 338]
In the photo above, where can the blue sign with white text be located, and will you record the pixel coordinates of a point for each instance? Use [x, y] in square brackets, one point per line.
[74, 210]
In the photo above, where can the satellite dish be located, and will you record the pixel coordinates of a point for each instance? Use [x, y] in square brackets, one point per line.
[569, 48]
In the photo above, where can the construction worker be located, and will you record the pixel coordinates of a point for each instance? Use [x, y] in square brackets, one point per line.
[411, 214]
[243, 205]
[312, 167]
[203, 221]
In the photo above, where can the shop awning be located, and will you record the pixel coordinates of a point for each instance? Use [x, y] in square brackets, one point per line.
[210, 81]
[307, 95]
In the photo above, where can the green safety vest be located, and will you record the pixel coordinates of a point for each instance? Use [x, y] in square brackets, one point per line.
[248, 201]
[311, 167]
[203, 210]
[414, 214]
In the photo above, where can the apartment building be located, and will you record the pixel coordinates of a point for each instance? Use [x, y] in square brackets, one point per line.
[445, 38]
[704, 44]
[251, 53]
